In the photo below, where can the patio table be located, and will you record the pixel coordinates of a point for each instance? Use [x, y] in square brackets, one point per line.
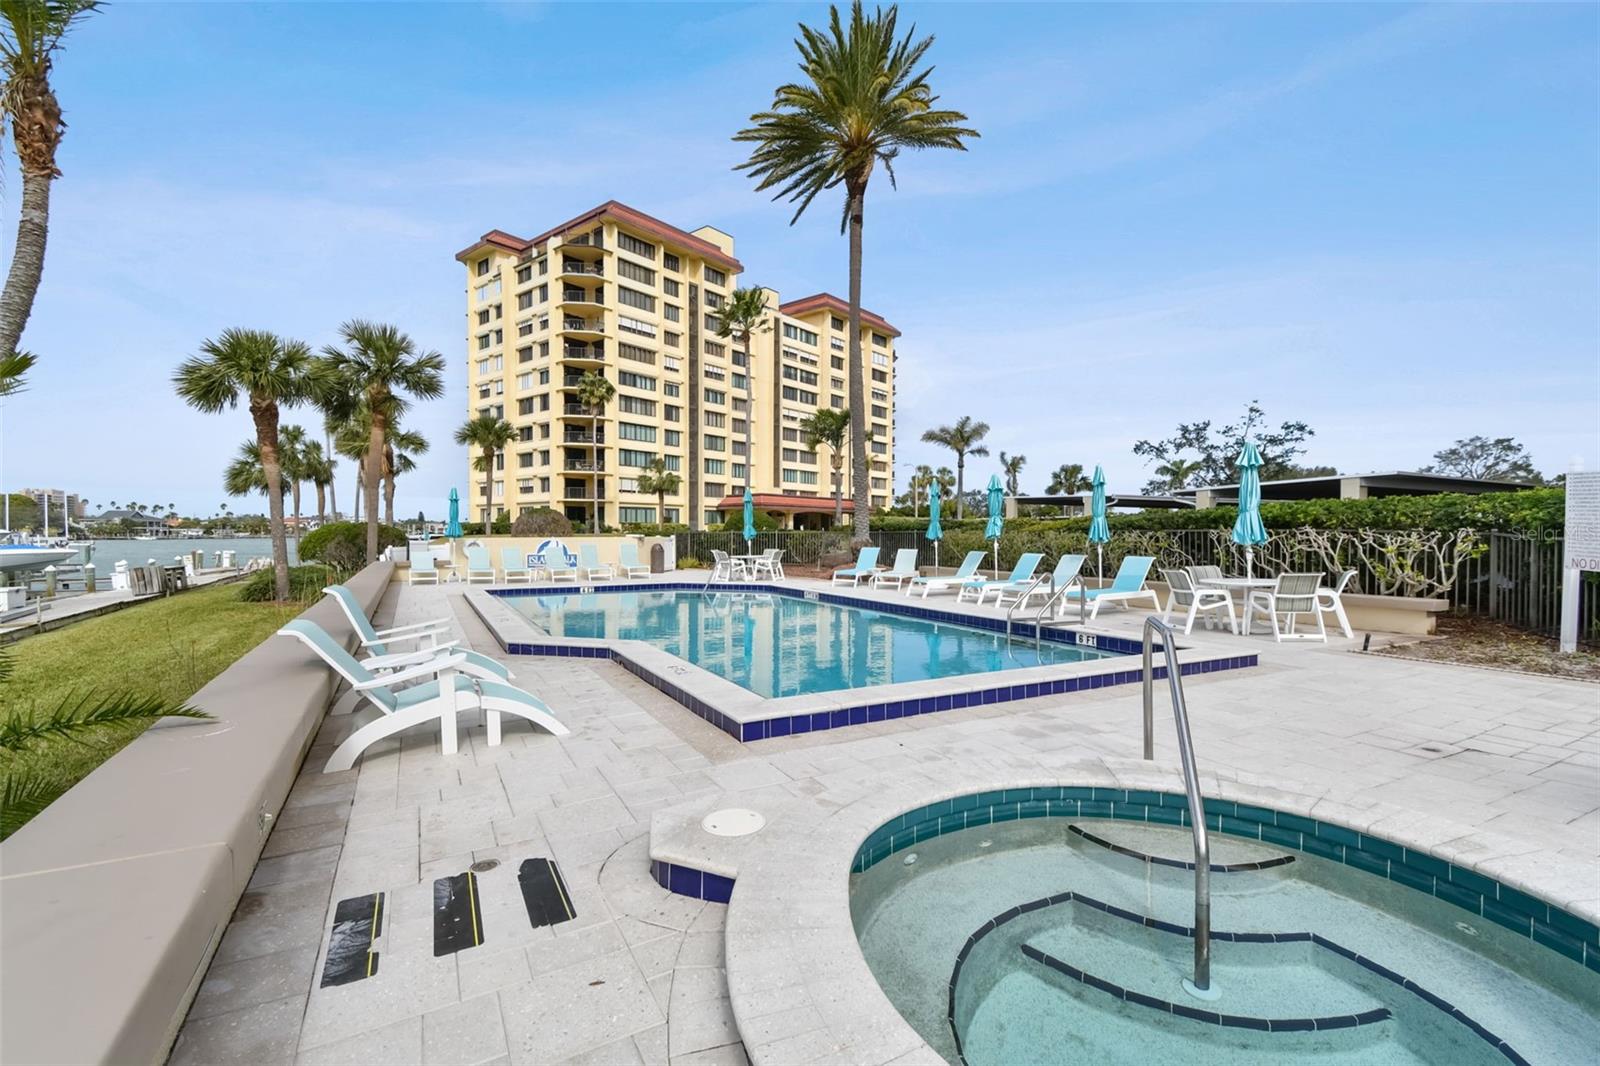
[1244, 585]
[749, 563]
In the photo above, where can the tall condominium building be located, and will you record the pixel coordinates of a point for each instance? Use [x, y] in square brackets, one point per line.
[618, 294]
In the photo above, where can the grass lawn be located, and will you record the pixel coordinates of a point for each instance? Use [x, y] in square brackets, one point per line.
[166, 648]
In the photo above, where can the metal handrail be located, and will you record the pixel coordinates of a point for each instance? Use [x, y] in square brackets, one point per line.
[1038, 618]
[1022, 599]
[1191, 785]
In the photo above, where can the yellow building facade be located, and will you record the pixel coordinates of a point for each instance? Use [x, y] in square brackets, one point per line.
[619, 295]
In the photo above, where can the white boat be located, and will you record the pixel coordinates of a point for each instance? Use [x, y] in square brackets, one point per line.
[24, 556]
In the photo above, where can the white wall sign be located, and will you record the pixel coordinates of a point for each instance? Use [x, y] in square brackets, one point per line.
[1581, 547]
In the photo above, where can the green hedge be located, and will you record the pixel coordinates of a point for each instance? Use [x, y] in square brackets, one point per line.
[344, 544]
[1530, 510]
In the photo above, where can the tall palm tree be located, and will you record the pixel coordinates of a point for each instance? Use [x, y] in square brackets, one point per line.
[31, 32]
[382, 366]
[245, 474]
[400, 448]
[921, 482]
[1177, 471]
[489, 435]
[318, 466]
[830, 427]
[945, 478]
[268, 371]
[350, 441]
[1011, 469]
[964, 438]
[292, 445]
[594, 392]
[1066, 479]
[863, 101]
[742, 316]
[663, 482]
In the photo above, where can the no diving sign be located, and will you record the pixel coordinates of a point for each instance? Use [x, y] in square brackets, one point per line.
[1581, 548]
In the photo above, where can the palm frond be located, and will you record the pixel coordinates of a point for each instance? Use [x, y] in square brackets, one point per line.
[12, 368]
[23, 794]
[80, 713]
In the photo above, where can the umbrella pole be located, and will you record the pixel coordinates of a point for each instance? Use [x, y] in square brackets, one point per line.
[1249, 560]
[1100, 563]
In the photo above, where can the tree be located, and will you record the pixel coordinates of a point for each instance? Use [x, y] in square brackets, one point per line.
[964, 438]
[350, 441]
[380, 365]
[1177, 471]
[31, 32]
[399, 452]
[292, 444]
[319, 467]
[830, 427]
[1067, 479]
[1216, 451]
[489, 435]
[744, 313]
[863, 100]
[13, 367]
[921, 482]
[1499, 459]
[594, 392]
[269, 372]
[945, 478]
[1011, 469]
[663, 482]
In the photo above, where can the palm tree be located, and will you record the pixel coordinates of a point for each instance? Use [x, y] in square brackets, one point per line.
[661, 481]
[381, 365]
[350, 441]
[964, 438]
[31, 32]
[489, 435]
[827, 426]
[594, 392]
[245, 474]
[743, 314]
[397, 459]
[292, 445]
[269, 371]
[921, 481]
[863, 101]
[318, 467]
[1011, 469]
[1178, 471]
[1067, 479]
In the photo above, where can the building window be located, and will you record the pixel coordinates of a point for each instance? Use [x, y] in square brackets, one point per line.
[716, 350]
[636, 353]
[483, 341]
[805, 396]
[804, 377]
[634, 431]
[880, 359]
[711, 518]
[880, 340]
[671, 388]
[633, 457]
[671, 412]
[669, 286]
[524, 301]
[718, 467]
[673, 462]
[634, 298]
[796, 333]
[634, 325]
[716, 396]
[715, 490]
[636, 381]
[714, 443]
[483, 267]
[714, 276]
[838, 323]
[672, 438]
[671, 312]
[880, 376]
[639, 516]
[669, 338]
[670, 261]
[714, 300]
[524, 274]
[629, 243]
[879, 411]
[715, 373]
[636, 271]
[716, 420]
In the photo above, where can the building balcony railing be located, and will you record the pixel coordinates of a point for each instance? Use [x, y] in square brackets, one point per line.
[574, 324]
[583, 438]
[578, 351]
[578, 410]
[579, 492]
[578, 266]
[578, 296]
[584, 466]
[585, 240]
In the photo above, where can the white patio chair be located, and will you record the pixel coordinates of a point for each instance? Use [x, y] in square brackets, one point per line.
[770, 564]
[628, 555]
[1185, 597]
[1294, 595]
[725, 567]
[479, 566]
[514, 567]
[904, 569]
[1331, 601]
[423, 568]
[593, 569]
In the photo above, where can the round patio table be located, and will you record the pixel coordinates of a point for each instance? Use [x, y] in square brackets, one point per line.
[1244, 585]
[749, 562]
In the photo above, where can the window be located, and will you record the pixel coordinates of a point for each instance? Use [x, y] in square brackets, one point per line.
[719, 351]
[738, 445]
[673, 462]
[716, 396]
[717, 466]
[671, 312]
[524, 433]
[635, 298]
[805, 377]
[544, 375]
[636, 353]
[836, 401]
[738, 471]
[483, 317]
[799, 477]
[488, 290]
[714, 301]
[628, 484]
[713, 324]
[880, 359]
[880, 340]
[672, 412]
[524, 381]
[672, 438]
[837, 383]
[629, 243]
[791, 434]
[714, 276]
[636, 515]
[483, 267]
[740, 426]
[524, 301]
[716, 420]
[483, 341]
[524, 329]
[634, 325]
[636, 381]
[634, 431]
[715, 490]
[880, 448]
[525, 354]
[525, 406]
[669, 515]
[636, 271]
[796, 333]
[880, 376]
[837, 323]
[633, 405]
[669, 338]
[740, 383]
[544, 293]
[711, 518]
[805, 396]
[669, 286]
[524, 459]
[714, 443]
[670, 261]
[633, 457]
[838, 362]
[879, 411]
[671, 388]
[714, 372]
[544, 267]
[524, 274]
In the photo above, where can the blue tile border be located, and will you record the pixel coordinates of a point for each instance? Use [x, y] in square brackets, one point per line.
[860, 714]
[687, 881]
[1543, 923]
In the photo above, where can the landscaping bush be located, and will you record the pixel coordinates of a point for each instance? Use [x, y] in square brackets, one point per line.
[305, 584]
[343, 545]
[655, 529]
[765, 523]
[689, 562]
[542, 522]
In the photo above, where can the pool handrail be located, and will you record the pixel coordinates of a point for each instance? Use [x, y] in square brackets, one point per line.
[1191, 786]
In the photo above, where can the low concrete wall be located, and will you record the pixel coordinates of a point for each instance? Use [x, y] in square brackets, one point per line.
[606, 548]
[116, 896]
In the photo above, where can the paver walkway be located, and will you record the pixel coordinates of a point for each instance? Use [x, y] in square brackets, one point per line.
[636, 976]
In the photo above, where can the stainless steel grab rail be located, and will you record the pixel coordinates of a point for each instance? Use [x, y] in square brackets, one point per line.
[1038, 618]
[1022, 599]
[1191, 784]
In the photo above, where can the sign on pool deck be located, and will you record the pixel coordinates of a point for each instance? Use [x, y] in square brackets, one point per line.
[1582, 548]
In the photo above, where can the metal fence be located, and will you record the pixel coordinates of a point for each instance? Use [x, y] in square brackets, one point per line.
[1510, 577]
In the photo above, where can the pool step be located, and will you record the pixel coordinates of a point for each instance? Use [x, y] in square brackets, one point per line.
[1165, 856]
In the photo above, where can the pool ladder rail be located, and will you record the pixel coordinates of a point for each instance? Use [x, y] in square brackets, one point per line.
[1039, 615]
[1200, 987]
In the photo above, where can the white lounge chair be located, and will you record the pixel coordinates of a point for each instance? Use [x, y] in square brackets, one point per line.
[1021, 576]
[1331, 601]
[1294, 595]
[442, 698]
[553, 561]
[423, 568]
[591, 567]
[479, 566]
[866, 565]
[514, 567]
[903, 570]
[1126, 587]
[964, 573]
[628, 552]
[1187, 597]
[1064, 576]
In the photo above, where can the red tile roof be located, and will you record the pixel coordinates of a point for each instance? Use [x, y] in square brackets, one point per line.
[827, 300]
[772, 501]
[622, 213]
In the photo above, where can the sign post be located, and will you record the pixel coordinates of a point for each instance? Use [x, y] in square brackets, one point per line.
[1581, 549]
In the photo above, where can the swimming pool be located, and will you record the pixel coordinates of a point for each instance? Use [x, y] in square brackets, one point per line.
[1042, 928]
[777, 645]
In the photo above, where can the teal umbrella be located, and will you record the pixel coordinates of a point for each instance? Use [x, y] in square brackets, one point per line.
[1099, 531]
[997, 517]
[1247, 528]
[749, 518]
[453, 527]
[935, 532]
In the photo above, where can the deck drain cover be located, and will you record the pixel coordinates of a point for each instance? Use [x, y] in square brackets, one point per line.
[483, 866]
[732, 822]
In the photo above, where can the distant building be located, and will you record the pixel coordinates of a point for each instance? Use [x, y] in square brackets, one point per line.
[143, 524]
[60, 501]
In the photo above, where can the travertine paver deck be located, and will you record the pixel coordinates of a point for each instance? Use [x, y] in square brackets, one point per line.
[638, 977]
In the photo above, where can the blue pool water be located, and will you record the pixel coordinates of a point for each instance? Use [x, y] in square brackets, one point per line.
[786, 646]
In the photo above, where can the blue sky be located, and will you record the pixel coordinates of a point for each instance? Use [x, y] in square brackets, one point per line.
[1379, 219]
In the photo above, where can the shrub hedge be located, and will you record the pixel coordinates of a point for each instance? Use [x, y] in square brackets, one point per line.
[305, 584]
[344, 544]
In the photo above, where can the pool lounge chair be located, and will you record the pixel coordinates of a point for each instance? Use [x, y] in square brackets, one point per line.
[866, 565]
[1126, 587]
[631, 566]
[964, 573]
[442, 698]
[554, 562]
[423, 568]
[1021, 576]
[1065, 575]
[479, 566]
[903, 570]
[590, 565]
[514, 567]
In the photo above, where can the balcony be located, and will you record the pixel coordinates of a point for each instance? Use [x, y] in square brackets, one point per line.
[584, 240]
[580, 296]
[581, 492]
[571, 437]
[577, 266]
[585, 466]
[575, 324]
[594, 354]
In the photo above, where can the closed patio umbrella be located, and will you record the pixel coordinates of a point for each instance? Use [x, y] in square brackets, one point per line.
[935, 531]
[453, 527]
[997, 517]
[1247, 528]
[749, 519]
[1099, 530]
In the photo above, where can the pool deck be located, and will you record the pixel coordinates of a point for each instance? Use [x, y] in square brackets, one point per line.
[1492, 766]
